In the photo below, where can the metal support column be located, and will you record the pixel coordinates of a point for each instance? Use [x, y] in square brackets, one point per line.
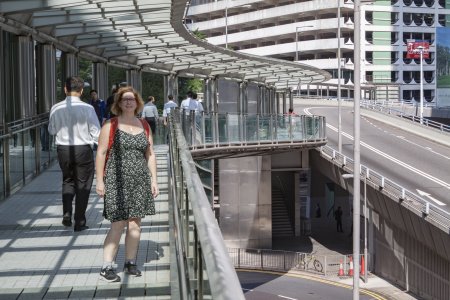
[134, 79]
[243, 103]
[26, 84]
[291, 99]
[171, 87]
[211, 95]
[69, 67]
[45, 77]
[100, 79]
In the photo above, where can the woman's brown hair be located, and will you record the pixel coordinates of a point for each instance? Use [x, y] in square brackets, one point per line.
[115, 109]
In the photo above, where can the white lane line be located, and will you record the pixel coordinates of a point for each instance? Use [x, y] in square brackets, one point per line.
[281, 296]
[425, 194]
[429, 149]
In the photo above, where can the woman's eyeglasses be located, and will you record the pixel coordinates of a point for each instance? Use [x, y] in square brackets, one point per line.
[127, 99]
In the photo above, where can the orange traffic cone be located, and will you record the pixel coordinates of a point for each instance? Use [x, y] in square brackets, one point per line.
[350, 271]
[341, 269]
[362, 265]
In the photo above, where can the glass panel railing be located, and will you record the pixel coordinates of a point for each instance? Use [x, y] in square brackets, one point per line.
[16, 172]
[26, 148]
[29, 153]
[212, 129]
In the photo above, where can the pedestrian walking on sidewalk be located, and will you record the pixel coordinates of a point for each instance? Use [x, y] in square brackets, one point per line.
[76, 127]
[126, 179]
[150, 113]
[338, 217]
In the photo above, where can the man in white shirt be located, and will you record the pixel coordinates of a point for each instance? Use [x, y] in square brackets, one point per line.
[77, 128]
[191, 103]
[168, 106]
[150, 113]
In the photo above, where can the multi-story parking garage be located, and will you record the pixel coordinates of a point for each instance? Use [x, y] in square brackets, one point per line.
[307, 31]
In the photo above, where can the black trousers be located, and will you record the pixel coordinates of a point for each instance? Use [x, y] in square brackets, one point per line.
[77, 166]
[152, 122]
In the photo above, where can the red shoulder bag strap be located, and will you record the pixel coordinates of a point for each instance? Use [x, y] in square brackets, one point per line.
[112, 132]
[146, 127]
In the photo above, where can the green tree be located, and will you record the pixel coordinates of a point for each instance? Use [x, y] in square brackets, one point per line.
[153, 85]
[198, 34]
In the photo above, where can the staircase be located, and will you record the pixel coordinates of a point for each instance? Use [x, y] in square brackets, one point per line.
[281, 223]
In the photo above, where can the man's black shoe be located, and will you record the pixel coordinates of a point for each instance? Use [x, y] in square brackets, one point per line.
[67, 220]
[80, 227]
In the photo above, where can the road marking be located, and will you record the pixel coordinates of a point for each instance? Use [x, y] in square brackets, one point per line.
[281, 296]
[249, 290]
[391, 158]
[317, 279]
[397, 161]
[422, 193]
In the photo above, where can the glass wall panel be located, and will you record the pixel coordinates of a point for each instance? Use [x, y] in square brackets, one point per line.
[233, 128]
[29, 145]
[45, 146]
[2, 175]
[16, 160]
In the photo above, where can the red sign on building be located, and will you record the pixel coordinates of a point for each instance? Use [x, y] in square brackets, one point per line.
[413, 48]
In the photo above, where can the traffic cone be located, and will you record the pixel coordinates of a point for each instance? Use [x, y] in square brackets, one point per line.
[341, 269]
[362, 265]
[350, 271]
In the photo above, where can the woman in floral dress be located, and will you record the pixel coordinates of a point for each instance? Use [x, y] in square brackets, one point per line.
[128, 180]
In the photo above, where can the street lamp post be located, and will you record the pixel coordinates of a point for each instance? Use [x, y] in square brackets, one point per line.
[347, 176]
[420, 50]
[356, 143]
[339, 78]
[296, 38]
[226, 25]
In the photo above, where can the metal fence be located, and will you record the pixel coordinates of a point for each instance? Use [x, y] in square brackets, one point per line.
[395, 111]
[278, 260]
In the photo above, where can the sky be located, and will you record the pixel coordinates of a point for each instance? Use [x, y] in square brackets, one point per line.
[443, 36]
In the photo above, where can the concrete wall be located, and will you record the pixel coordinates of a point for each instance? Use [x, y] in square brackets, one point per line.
[246, 202]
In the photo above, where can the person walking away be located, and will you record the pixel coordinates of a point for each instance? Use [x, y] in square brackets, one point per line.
[76, 127]
[168, 106]
[99, 106]
[150, 113]
[338, 217]
[109, 103]
[126, 179]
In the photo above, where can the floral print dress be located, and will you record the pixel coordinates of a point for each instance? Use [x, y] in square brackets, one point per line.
[128, 192]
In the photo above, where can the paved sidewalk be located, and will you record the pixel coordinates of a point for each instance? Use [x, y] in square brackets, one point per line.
[42, 259]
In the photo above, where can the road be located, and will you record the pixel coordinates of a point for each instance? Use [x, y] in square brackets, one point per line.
[418, 164]
[268, 286]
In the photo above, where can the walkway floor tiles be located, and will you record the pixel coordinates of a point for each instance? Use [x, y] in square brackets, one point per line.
[41, 259]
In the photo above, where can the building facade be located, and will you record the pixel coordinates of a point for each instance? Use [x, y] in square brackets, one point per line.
[307, 31]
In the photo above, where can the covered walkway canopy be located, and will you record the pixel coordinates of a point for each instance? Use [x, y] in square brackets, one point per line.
[145, 35]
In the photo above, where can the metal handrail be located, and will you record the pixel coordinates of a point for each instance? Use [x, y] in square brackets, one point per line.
[11, 128]
[388, 187]
[206, 253]
[393, 111]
